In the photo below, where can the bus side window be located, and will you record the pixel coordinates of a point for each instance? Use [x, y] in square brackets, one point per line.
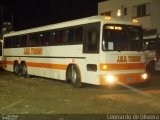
[90, 41]
[23, 41]
[70, 35]
[79, 34]
[6, 42]
[41, 39]
[34, 40]
[29, 40]
[91, 38]
[11, 42]
[93, 43]
[53, 37]
[15, 42]
[62, 36]
[46, 38]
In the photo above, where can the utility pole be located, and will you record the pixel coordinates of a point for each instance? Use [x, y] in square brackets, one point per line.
[6, 20]
[1, 19]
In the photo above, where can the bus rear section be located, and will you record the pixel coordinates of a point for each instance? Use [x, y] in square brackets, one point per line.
[122, 59]
[152, 54]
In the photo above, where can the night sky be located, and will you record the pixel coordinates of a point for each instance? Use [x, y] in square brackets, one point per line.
[33, 13]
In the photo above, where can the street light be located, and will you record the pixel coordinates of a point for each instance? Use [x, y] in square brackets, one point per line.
[119, 13]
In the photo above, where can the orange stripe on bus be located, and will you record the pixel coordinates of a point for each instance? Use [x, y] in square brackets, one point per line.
[8, 62]
[127, 66]
[47, 65]
[42, 65]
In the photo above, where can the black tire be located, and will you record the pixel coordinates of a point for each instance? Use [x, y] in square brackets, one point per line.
[16, 68]
[73, 75]
[24, 72]
[23, 69]
[68, 74]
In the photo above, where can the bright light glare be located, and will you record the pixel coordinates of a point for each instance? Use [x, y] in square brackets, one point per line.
[118, 28]
[114, 27]
[110, 27]
[119, 13]
[110, 79]
[135, 21]
[107, 17]
[144, 76]
[104, 67]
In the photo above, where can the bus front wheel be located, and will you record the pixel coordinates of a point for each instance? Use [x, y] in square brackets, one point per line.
[73, 75]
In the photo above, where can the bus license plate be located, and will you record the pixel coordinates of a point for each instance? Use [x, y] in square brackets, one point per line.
[130, 79]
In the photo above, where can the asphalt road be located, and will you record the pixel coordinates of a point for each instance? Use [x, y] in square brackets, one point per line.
[46, 96]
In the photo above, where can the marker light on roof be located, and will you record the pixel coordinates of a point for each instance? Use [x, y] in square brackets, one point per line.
[107, 18]
[135, 21]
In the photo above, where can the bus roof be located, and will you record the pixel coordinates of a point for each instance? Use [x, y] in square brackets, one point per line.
[69, 24]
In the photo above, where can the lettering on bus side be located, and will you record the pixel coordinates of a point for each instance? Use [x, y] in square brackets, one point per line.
[129, 59]
[33, 51]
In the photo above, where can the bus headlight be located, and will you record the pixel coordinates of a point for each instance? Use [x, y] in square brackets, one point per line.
[144, 76]
[110, 79]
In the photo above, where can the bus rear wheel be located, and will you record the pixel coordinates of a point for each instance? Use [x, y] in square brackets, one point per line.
[73, 75]
[16, 68]
[24, 69]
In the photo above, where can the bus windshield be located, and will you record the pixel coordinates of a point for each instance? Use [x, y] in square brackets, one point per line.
[122, 38]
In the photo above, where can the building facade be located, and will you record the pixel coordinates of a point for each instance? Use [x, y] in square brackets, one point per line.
[146, 12]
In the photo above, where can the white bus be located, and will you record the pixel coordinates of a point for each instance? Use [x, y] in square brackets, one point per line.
[96, 50]
[152, 53]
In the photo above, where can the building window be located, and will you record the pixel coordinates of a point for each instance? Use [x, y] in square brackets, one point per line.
[135, 11]
[125, 11]
[106, 13]
[148, 9]
[141, 10]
